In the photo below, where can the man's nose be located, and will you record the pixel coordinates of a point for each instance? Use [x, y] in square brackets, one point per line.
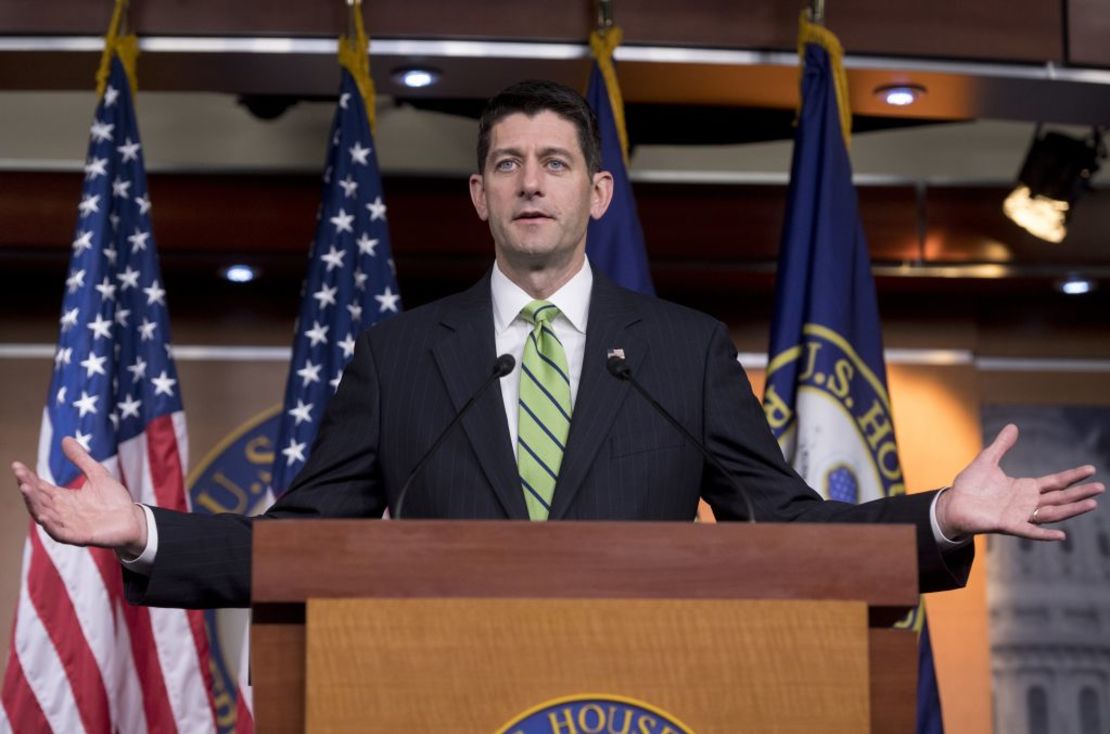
[531, 179]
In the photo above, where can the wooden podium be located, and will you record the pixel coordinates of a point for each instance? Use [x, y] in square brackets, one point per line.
[437, 626]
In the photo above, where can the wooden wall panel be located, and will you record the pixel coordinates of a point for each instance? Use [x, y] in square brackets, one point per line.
[1088, 32]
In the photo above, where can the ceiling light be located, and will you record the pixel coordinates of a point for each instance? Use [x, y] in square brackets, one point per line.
[1057, 171]
[1075, 285]
[416, 77]
[239, 273]
[900, 95]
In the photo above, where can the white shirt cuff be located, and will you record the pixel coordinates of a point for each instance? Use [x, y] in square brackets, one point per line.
[142, 563]
[944, 543]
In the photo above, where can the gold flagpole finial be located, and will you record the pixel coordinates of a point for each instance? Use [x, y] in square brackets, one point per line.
[817, 12]
[116, 41]
[354, 56]
[811, 32]
[604, 16]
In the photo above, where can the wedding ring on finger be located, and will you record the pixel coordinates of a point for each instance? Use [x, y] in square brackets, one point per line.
[1033, 518]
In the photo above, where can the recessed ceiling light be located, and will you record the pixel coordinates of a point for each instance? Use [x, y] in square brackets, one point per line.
[1076, 285]
[239, 273]
[417, 77]
[900, 95]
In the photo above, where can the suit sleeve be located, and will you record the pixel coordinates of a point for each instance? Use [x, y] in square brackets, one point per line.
[736, 431]
[204, 561]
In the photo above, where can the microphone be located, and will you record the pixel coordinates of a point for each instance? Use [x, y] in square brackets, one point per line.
[618, 368]
[503, 366]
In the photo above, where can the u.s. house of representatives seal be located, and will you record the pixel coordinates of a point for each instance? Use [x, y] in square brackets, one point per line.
[592, 713]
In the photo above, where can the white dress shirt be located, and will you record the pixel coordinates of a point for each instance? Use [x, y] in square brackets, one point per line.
[510, 334]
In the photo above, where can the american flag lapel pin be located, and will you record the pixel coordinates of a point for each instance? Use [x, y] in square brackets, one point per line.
[615, 352]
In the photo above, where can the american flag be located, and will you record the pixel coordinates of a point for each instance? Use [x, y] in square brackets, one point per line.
[351, 284]
[82, 659]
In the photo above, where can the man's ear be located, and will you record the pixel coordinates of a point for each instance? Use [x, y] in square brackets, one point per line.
[478, 196]
[601, 194]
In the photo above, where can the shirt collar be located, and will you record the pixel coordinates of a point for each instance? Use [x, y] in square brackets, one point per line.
[572, 300]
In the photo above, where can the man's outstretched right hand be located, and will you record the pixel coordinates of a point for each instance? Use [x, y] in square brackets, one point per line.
[101, 512]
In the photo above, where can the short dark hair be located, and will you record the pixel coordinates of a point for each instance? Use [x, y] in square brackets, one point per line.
[532, 97]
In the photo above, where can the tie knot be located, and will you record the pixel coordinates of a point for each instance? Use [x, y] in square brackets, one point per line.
[539, 312]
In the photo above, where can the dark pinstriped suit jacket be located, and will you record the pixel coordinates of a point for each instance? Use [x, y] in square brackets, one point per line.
[410, 375]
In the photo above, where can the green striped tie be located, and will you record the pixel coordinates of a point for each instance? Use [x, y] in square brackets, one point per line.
[544, 419]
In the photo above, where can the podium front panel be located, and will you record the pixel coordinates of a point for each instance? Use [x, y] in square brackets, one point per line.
[476, 665]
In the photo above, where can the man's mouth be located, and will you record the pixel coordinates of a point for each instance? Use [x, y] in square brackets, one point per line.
[531, 215]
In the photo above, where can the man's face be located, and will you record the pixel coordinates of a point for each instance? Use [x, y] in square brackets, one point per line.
[536, 192]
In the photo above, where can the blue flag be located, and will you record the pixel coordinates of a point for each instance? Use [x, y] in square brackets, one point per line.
[615, 243]
[826, 397]
[350, 283]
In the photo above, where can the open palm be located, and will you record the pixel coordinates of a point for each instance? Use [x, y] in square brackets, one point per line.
[100, 512]
[984, 499]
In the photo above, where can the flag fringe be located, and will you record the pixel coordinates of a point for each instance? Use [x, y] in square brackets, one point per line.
[809, 32]
[603, 45]
[126, 47]
[354, 56]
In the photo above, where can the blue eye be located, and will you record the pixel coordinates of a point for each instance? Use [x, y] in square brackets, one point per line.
[556, 164]
[505, 165]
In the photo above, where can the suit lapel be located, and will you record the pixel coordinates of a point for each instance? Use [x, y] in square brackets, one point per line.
[465, 358]
[612, 313]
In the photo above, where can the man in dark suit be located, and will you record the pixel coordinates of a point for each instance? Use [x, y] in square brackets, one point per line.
[562, 439]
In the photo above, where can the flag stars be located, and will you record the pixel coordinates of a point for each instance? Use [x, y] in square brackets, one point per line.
[155, 294]
[106, 289]
[342, 221]
[110, 96]
[101, 131]
[137, 370]
[359, 154]
[129, 278]
[334, 382]
[129, 150]
[86, 404]
[344, 99]
[94, 365]
[348, 346]
[61, 396]
[144, 203]
[129, 407]
[96, 167]
[83, 242]
[309, 373]
[138, 240]
[62, 356]
[377, 209]
[350, 186]
[326, 295]
[294, 451]
[69, 319]
[318, 334]
[121, 188]
[110, 255]
[360, 279]
[84, 439]
[163, 384]
[356, 311]
[75, 281]
[387, 300]
[302, 413]
[121, 317]
[100, 327]
[89, 204]
[366, 245]
[146, 329]
[334, 258]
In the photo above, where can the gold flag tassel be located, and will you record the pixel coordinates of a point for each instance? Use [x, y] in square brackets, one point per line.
[811, 32]
[603, 42]
[125, 46]
[354, 56]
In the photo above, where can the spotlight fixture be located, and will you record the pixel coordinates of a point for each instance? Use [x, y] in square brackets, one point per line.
[239, 273]
[900, 95]
[1057, 171]
[415, 77]
[1076, 285]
